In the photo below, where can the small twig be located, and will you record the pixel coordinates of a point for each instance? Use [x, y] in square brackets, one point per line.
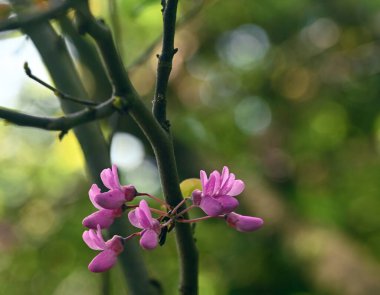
[57, 92]
[197, 219]
[27, 20]
[155, 198]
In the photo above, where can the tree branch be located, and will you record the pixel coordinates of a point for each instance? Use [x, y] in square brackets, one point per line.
[143, 57]
[165, 60]
[63, 123]
[159, 139]
[20, 22]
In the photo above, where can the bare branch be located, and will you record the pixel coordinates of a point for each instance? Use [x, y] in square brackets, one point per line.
[63, 123]
[25, 20]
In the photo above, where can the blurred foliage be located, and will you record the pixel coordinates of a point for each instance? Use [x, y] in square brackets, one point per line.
[286, 93]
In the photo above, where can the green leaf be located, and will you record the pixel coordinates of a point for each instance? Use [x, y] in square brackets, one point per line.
[189, 185]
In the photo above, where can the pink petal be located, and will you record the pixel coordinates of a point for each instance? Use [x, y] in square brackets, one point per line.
[149, 239]
[103, 217]
[142, 218]
[133, 219]
[216, 175]
[103, 261]
[227, 185]
[244, 223]
[112, 199]
[225, 175]
[145, 208]
[211, 206]
[115, 175]
[208, 190]
[92, 243]
[115, 244]
[237, 188]
[109, 180]
[94, 190]
[204, 179]
[228, 203]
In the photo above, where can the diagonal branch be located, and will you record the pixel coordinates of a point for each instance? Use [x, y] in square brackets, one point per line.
[165, 60]
[20, 22]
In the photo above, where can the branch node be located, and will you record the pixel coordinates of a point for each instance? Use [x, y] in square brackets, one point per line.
[62, 134]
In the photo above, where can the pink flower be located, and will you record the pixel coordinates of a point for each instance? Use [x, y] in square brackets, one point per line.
[117, 194]
[244, 223]
[110, 249]
[218, 192]
[103, 217]
[141, 217]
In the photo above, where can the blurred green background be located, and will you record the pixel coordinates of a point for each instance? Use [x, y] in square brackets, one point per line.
[286, 93]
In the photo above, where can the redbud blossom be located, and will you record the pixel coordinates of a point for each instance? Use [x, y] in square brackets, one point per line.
[110, 249]
[244, 223]
[141, 217]
[103, 217]
[218, 192]
[117, 194]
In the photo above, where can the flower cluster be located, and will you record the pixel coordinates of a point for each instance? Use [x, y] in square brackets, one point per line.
[216, 199]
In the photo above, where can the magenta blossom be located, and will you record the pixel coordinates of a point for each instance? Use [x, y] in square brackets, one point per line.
[110, 249]
[103, 217]
[141, 217]
[218, 192]
[117, 194]
[244, 223]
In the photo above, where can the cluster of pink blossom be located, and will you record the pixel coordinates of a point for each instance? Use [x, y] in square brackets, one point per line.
[216, 199]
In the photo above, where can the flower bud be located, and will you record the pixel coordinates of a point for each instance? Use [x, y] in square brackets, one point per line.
[244, 223]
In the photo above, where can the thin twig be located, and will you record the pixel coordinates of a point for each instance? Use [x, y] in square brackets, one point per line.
[57, 92]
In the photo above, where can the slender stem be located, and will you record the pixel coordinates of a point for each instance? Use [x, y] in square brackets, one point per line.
[186, 210]
[179, 205]
[154, 198]
[198, 219]
[131, 236]
[56, 92]
[161, 213]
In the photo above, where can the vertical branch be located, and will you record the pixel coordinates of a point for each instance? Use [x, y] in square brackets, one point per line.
[165, 61]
